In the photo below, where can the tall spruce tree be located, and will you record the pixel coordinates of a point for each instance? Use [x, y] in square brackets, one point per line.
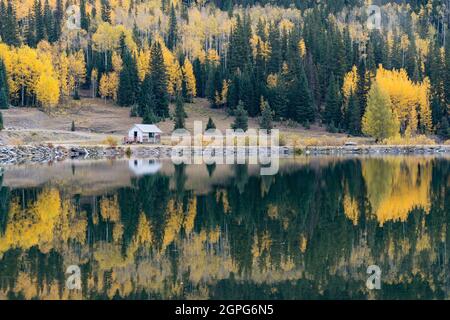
[333, 104]
[4, 89]
[241, 118]
[159, 81]
[10, 25]
[180, 114]
[353, 116]
[266, 116]
[301, 107]
[127, 92]
[38, 21]
[172, 37]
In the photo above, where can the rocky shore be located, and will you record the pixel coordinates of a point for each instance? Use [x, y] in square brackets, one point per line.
[45, 153]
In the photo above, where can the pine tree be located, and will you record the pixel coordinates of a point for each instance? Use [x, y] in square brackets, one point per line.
[106, 11]
[11, 29]
[38, 21]
[172, 38]
[266, 116]
[84, 19]
[333, 103]
[180, 114]
[127, 92]
[354, 115]
[210, 124]
[146, 101]
[300, 100]
[159, 81]
[149, 117]
[4, 91]
[379, 121]
[58, 17]
[72, 126]
[241, 120]
[444, 128]
[1, 121]
[47, 19]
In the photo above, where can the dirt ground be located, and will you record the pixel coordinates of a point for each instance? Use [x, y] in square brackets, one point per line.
[96, 119]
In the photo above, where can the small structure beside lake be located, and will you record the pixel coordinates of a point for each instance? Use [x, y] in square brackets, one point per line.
[143, 133]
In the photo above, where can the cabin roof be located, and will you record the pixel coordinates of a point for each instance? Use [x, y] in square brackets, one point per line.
[146, 128]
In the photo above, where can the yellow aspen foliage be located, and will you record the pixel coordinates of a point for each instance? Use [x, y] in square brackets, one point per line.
[351, 208]
[143, 63]
[109, 84]
[406, 97]
[302, 48]
[190, 216]
[77, 70]
[174, 73]
[47, 91]
[109, 209]
[107, 37]
[116, 61]
[144, 233]
[212, 56]
[62, 71]
[33, 226]
[174, 221]
[396, 186]
[189, 80]
[272, 80]
[350, 84]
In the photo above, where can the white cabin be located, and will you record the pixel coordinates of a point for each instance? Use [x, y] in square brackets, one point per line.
[141, 167]
[144, 133]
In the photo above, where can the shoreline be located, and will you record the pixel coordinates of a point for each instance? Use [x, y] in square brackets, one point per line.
[46, 154]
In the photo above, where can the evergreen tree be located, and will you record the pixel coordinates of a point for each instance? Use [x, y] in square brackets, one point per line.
[379, 121]
[149, 117]
[159, 81]
[444, 128]
[38, 21]
[58, 17]
[354, 115]
[30, 31]
[241, 120]
[180, 114]
[4, 89]
[146, 101]
[127, 92]
[72, 126]
[10, 30]
[210, 124]
[1, 121]
[301, 107]
[172, 38]
[266, 116]
[84, 19]
[48, 22]
[333, 103]
[106, 10]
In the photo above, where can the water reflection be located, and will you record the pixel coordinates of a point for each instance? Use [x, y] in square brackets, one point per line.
[155, 230]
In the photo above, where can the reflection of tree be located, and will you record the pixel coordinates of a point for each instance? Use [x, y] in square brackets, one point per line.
[395, 186]
[304, 233]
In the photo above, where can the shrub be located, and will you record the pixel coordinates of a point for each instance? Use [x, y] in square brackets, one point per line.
[409, 141]
[111, 142]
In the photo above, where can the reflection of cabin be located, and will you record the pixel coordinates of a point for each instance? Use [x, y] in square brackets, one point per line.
[142, 166]
[144, 133]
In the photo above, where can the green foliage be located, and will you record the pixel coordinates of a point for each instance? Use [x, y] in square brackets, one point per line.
[241, 118]
[379, 121]
[180, 114]
[127, 93]
[158, 77]
[172, 38]
[333, 103]
[210, 124]
[4, 91]
[267, 115]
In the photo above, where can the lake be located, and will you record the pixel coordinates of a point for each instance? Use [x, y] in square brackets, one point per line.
[143, 229]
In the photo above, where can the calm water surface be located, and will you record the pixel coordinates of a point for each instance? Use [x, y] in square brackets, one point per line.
[140, 229]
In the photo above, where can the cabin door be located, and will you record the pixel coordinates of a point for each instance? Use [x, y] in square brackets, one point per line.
[135, 136]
